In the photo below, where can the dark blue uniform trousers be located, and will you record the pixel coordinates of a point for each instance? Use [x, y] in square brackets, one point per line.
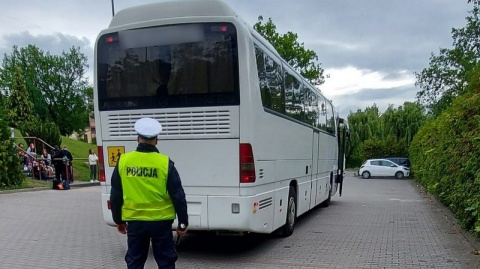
[139, 235]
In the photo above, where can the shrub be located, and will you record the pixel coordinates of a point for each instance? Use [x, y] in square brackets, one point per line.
[10, 168]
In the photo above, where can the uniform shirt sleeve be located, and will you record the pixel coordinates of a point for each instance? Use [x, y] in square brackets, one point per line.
[116, 197]
[177, 194]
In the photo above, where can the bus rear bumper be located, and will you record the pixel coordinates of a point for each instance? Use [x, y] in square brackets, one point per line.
[231, 213]
[222, 213]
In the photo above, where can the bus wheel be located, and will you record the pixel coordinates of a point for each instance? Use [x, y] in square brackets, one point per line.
[291, 213]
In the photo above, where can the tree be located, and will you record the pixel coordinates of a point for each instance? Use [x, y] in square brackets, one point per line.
[375, 135]
[45, 130]
[287, 45]
[23, 59]
[405, 121]
[10, 168]
[360, 124]
[449, 72]
[378, 148]
[89, 94]
[55, 83]
[18, 104]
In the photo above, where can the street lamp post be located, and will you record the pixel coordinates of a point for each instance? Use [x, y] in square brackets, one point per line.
[113, 9]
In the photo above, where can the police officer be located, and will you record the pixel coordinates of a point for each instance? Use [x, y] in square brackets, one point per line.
[145, 196]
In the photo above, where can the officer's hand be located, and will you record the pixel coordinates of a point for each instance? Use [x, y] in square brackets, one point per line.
[122, 228]
[181, 232]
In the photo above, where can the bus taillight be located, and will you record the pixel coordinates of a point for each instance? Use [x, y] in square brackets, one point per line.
[247, 164]
[101, 164]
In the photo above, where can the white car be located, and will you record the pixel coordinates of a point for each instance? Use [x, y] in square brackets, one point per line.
[383, 168]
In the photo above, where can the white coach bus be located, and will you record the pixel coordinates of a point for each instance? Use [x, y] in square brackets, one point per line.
[255, 144]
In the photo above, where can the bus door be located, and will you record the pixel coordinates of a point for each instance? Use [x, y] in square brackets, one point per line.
[343, 135]
[315, 175]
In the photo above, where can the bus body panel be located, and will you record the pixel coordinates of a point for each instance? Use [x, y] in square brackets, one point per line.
[197, 209]
[255, 214]
[205, 163]
[281, 201]
[304, 194]
[107, 214]
[201, 138]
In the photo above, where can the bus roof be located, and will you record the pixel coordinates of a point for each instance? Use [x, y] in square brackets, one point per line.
[171, 9]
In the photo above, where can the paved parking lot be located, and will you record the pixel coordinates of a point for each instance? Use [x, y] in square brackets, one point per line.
[378, 223]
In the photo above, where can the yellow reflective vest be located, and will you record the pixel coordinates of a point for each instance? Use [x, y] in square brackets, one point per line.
[144, 182]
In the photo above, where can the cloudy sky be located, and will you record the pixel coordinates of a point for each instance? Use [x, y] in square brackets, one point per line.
[369, 49]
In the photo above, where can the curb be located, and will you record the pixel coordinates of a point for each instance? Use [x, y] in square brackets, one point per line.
[75, 185]
[450, 218]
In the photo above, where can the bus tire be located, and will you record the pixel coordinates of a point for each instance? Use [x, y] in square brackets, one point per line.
[291, 218]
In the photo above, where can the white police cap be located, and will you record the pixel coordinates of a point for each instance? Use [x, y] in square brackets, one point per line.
[148, 128]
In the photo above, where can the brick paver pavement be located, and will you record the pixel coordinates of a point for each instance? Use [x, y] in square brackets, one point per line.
[378, 223]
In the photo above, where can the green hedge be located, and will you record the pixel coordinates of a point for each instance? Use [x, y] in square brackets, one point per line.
[445, 156]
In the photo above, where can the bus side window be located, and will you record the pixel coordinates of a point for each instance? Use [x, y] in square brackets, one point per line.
[262, 80]
[274, 80]
[322, 117]
[293, 97]
[270, 75]
[330, 118]
[310, 104]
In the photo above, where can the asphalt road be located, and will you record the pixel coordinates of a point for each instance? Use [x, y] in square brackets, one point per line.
[378, 223]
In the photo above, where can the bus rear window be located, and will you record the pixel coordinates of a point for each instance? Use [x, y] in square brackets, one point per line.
[185, 65]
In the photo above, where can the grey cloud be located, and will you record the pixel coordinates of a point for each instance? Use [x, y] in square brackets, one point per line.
[54, 44]
[378, 35]
[397, 74]
[382, 97]
[380, 94]
[389, 35]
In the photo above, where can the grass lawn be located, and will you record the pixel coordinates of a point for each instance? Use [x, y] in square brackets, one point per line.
[79, 150]
[31, 183]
